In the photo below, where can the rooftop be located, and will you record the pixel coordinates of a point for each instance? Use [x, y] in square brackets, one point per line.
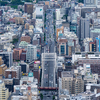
[96, 30]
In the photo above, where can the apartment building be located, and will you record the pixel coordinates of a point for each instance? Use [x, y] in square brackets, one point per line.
[4, 92]
[13, 72]
[73, 83]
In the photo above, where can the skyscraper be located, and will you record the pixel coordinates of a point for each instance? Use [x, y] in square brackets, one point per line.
[84, 28]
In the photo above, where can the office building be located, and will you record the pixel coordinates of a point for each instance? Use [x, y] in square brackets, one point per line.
[4, 92]
[58, 17]
[39, 13]
[28, 7]
[84, 55]
[84, 28]
[63, 47]
[90, 3]
[94, 33]
[13, 72]
[26, 38]
[7, 57]
[58, 30]
[31, 53]
[73, 28]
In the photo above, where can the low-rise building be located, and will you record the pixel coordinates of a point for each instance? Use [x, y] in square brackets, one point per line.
[26, 38]
[13, 72]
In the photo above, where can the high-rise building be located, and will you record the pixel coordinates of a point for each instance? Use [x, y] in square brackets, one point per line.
[84, 28]
[67, 79]
[17, 53]
[28, 8]
[31, 53]
[7, 57]
[72, 82]
[4, 92]
[73, 28]
[58, 14]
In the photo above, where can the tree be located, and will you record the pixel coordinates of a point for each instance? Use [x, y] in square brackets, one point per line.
[41, 96]
[53, 97]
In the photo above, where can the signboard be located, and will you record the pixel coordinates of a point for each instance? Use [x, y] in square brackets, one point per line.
[30, 74]
[36, 62]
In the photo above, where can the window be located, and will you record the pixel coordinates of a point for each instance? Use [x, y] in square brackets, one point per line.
[62, 49]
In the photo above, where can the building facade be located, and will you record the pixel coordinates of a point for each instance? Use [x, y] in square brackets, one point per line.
[31, 53]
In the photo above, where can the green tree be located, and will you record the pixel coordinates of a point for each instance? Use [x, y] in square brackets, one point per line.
[53, 97]
[41, 96]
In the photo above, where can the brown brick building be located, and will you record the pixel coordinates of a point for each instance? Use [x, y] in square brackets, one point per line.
[23, 55]
[28, 8]
[17, 53]
[13, 72]
[26, 38]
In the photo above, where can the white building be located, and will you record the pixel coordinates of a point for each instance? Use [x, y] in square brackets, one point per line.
[78, 55]
[58, 14]
[39, 13]
[31, 53]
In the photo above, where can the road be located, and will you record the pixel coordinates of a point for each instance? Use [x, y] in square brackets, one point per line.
[49, 62]
[19, 38]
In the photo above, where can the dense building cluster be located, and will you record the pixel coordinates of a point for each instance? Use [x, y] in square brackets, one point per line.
[50, 50]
